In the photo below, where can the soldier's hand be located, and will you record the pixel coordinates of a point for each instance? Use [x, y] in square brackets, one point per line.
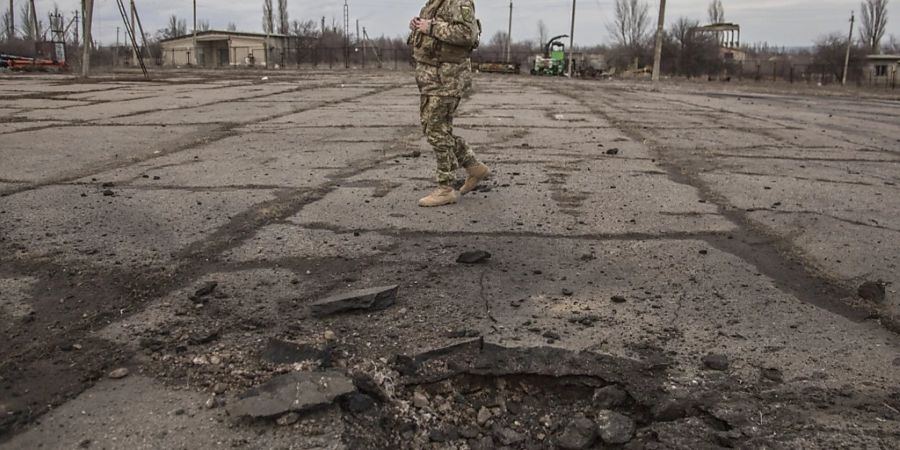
[413, 23]
[424, 25]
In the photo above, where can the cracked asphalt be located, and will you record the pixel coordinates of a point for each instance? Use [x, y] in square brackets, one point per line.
[651, 224]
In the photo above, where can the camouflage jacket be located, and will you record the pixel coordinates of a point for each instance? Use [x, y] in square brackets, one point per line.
[453, 35]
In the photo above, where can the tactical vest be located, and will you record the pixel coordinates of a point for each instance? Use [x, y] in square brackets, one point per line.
[429, 50]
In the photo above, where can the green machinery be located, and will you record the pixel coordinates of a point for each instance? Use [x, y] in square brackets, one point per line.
[553, 61]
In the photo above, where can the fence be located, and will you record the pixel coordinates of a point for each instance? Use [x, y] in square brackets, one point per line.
[813, 74]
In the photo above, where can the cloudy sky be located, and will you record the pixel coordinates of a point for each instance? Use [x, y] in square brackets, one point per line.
[779, 22]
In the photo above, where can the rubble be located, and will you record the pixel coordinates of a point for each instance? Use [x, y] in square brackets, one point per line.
[579, 434]
[714, 361]
[610, 397]
[477, 357]
[474, 257]
[292, 392]
[204, 290]
[364, 299]
[614, 428]
[118, 374]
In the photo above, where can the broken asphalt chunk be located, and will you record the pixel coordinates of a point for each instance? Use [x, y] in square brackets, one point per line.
[614, 428]
[475, 257]
[365, 299]
[480, 358]
[292, 392]
[579, 434]
[204, 290]
[714, 361]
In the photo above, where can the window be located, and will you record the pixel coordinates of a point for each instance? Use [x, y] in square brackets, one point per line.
[881, 70]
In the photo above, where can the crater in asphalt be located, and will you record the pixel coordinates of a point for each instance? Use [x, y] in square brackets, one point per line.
[487, 395]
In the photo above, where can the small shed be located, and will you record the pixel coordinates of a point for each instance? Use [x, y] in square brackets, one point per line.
[222, 49]
[882, 67]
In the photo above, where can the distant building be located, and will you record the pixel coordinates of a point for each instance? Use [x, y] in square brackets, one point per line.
[223, 49]
[882, 68]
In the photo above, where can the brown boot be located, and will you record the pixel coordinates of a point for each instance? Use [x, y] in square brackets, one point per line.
[477, 173]
[443, 195]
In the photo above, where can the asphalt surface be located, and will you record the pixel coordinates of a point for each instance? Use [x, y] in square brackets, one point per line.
[651, 225]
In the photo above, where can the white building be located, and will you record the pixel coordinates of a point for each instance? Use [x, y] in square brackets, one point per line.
[223, 49]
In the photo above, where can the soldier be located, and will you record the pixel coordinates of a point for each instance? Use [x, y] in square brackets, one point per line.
[442, 39]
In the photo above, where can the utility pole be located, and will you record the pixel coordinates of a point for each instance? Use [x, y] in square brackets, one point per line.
[34, 20]
[509, 34]
[87, 7]
[346, 35]
[357, 32]
[572, 44]
[657, 56]
[12, 19]
[116, 62]
[134, 51]
[77, 25]
[194, 41]
[849, 45]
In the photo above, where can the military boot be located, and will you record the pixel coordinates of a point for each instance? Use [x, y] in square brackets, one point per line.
[443, 195]
[477, 173]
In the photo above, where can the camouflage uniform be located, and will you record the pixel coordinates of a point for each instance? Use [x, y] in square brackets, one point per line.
[444, 76]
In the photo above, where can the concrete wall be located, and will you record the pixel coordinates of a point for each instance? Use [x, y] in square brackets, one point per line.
[179, 52]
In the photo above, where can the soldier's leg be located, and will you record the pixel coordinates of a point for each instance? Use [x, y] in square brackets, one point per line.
[464, 154]
[436, 120]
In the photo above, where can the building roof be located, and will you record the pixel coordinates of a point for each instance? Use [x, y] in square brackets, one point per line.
[720, 27]
[888, 58]
[223, 35]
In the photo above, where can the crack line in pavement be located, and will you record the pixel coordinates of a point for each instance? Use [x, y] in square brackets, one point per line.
[219, 133]
[773, 255]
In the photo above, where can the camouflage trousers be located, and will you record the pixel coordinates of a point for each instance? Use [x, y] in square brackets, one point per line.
[452, 152]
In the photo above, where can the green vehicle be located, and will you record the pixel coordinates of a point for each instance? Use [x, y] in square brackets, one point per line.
[553, 61]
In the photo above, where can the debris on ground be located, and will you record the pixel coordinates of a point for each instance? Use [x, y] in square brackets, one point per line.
[473, 257]
[292, 392]
[715, 361]
[579, 434]
[614, 428]
[204, 290]
[364, 299]
[118, 374]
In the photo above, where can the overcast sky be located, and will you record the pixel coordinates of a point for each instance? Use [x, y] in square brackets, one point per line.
[779, 22]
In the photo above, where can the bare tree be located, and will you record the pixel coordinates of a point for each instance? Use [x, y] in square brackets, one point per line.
[716, 12]
[874, 23]
[268, 19]
[893, 46]
[697, 53]
[829, 54]
[682, 30]
[5, 22]
[305, 29]
[232, 26]
[630, 26]
[284, 26]
[543, 35]
[175, 27]
[29, 33]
